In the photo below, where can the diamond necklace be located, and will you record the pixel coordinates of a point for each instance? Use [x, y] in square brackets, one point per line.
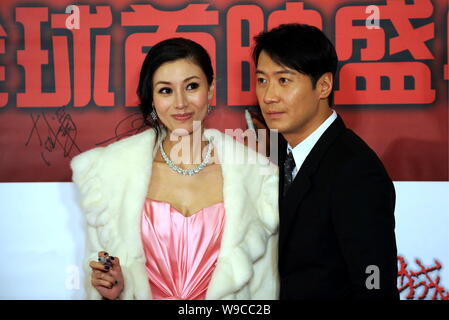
[187, 172]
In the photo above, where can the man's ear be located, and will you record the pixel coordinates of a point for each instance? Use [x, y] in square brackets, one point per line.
[324, 85]
[210, 94]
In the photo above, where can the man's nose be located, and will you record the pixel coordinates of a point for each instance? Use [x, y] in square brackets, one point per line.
[271, 94]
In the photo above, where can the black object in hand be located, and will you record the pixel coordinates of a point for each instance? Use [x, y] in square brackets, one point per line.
[106, 261]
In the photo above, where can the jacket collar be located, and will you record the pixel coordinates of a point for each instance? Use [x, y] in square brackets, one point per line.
[301, 184]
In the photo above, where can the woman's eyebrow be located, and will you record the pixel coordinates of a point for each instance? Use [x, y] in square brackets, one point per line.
[168, 82]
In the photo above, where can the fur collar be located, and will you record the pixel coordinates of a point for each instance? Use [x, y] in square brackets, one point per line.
[114, 181]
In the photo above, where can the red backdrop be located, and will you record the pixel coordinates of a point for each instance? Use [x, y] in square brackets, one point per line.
[65, 90]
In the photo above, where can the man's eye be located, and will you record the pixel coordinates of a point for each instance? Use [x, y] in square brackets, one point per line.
[284, 80]
[261, 80]
[165, 91]
[192, 86]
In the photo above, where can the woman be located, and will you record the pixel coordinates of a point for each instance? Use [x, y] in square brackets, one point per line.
[198, 229]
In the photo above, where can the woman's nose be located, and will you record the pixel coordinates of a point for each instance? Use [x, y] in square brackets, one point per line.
[181, 101]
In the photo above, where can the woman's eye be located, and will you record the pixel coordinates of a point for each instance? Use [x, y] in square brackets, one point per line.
[192, 86]
[284, 80]
[165, 91]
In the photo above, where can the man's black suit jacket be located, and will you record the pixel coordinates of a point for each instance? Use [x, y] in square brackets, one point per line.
[336, 220]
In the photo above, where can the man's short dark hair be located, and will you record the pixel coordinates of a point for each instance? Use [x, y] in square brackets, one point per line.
[301, 47]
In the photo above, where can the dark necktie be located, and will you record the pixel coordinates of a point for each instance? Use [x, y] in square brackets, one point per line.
[289, 165]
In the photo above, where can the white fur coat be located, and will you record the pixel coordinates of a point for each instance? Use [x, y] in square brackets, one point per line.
[113, 183]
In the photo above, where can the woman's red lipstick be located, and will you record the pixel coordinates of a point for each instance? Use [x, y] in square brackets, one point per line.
[182, 117]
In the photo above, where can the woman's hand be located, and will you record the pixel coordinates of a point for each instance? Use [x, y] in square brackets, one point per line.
[107, 280]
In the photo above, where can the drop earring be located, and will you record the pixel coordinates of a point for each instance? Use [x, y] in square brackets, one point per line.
[153, 113]
[209, 108]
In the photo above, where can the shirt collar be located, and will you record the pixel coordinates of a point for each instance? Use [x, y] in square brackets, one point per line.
[302, 149]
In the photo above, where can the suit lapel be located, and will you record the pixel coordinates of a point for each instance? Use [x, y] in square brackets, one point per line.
[288, 204]
[300, 186]
[282, 143]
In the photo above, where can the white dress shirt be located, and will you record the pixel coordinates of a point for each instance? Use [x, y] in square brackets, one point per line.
[302, 150]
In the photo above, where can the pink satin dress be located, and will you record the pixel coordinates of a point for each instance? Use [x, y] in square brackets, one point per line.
[181, 252]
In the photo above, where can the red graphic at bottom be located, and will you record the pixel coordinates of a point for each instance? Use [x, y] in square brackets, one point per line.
[412, 280]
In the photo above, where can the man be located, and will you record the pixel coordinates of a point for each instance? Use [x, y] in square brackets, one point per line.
[336, 201]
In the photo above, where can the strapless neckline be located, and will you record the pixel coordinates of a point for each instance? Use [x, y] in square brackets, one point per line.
[181, 252]
[180, 213]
